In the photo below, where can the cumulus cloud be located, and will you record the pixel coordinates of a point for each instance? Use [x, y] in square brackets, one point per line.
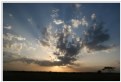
[86, 49]
[66, 30]
[13, 43]
[75, 23]
[93, 16]
[68, 44]
[69, 48]
[58, 21]
[84, 22]
[9, 37]
[20, 38]
[13, 47]
[8, 27]
[16, 46]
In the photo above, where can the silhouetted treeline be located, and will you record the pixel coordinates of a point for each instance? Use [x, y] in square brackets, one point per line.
[59, 76]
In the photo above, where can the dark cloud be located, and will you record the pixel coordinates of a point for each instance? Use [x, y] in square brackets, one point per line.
[12, 57]
[97, 35]
[69, 47]
[98, 47]
[46, 34]
[40, 62]
[9, 56]
[44, 43]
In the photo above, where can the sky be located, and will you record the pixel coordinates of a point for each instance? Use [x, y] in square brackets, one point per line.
[61, 37]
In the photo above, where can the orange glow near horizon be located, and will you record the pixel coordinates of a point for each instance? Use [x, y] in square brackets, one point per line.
[20, 66]
[56, 69]
[61, 69]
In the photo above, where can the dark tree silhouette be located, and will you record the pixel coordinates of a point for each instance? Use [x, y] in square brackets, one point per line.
[108, 69]
[99, 71]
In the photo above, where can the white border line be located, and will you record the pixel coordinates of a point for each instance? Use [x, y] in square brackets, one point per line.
[60, 1]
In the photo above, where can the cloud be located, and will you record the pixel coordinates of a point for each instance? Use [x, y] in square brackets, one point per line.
[39, 62]
[44, 42]
[84, 22]
[20, 38]
[10, 37]
[55, 13]
[67, 49]
[66, 30]
[77, 5]
[30, 20]
[10, 15]
[95, 38]
[13, 47]
[97, 47]
[10, 56]
[75, 23]
[32, 48]
[86, 49]
[68, 44]
[8, 27]
[58, 22]
[62, 45]
[17, 46]
[49, 37]
[85, 33]
[93, 16]
[13, 43]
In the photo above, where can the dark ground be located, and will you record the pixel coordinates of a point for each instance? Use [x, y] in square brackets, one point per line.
[57, 76]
